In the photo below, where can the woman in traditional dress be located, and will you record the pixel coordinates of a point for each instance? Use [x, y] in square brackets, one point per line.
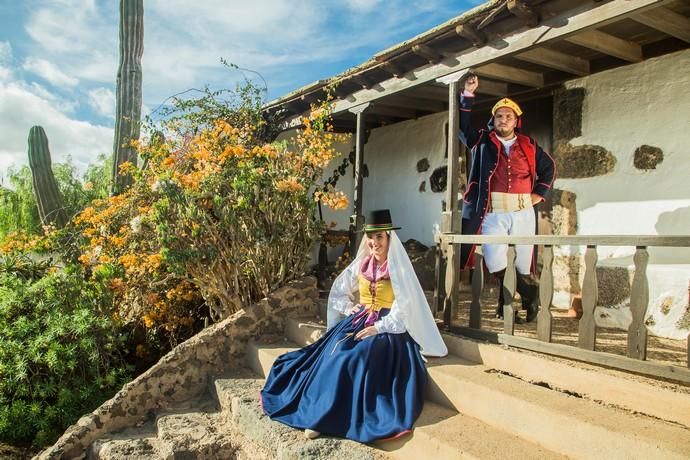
[364, 379]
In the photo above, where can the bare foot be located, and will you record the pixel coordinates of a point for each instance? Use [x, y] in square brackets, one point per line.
[311, 434]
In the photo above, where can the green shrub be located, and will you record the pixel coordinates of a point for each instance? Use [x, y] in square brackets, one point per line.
[59, 354]
[18, 210]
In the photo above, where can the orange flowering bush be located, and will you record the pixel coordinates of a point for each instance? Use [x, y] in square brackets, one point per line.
[216, 219]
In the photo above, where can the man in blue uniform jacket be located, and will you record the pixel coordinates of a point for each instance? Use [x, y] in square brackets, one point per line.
[509, 175]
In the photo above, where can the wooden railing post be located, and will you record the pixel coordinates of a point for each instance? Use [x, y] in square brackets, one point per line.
[587, 328]
[545, 318]
[477, 287]
[639, 299]
[509, 281]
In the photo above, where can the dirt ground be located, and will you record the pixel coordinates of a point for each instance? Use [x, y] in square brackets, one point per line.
[565, 331]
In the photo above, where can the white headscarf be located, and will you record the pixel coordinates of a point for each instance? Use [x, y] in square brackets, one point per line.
[409, 296]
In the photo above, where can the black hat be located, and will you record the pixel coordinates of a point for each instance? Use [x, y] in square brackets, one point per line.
[379, 221]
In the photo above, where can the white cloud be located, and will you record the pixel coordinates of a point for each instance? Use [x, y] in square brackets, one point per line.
[49, 72]
[362, 5]
[20, 109]
[5, 59]
[82, 37]
[102, 100]
[5, 51]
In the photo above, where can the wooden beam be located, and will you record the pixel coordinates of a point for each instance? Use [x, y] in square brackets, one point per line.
[469, 32]
[574, 240]
[586, 15]
[666, 21]
[437, 93]
[392, 68]
[491, 16]
[524, 12]
[428, 53]
[416, 103]
[608, 44]
[666, 371]
[357, 220]
[511, 74]
[556, 60]
[380, 108]
[362, 80]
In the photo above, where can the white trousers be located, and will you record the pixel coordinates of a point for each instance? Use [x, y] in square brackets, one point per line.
[508, 223]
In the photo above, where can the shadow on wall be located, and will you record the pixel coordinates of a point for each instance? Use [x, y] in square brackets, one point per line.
[675, 222]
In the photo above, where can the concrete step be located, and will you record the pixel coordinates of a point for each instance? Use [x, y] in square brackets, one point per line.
[443, 434]
[647, 396]
[439, 433]
[237, 395]
[558, 421]
[573, 426]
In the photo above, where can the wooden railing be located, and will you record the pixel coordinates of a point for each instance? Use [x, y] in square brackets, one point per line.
[446, 298]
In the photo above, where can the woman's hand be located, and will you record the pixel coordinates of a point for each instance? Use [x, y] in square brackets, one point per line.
[536, 198]
[366, 332]
[354, 310]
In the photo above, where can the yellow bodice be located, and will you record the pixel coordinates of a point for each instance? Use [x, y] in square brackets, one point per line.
[376, 295]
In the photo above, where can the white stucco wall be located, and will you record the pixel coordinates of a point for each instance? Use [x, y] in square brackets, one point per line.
[624, 108]
[391, 155]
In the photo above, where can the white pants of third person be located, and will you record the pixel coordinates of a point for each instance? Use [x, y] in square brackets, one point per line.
[508, 223]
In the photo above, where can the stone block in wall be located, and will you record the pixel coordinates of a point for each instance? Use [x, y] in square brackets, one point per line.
[580, 161]
[423, 165]
[423, 261]
[567, 275]
[648, 157]
[438, 179]
[567, 114]
[562, 212]
[613, 285]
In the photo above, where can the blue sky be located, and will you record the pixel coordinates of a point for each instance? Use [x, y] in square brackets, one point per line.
[58, 58]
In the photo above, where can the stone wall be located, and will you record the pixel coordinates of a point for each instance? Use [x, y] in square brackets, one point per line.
[184, 372]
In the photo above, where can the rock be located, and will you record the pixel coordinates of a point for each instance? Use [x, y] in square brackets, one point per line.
[579, 161]
[647, 157]
[422, 165]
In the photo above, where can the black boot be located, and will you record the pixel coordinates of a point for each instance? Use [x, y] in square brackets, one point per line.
[501, 301]
[529, 291]
[501, 298]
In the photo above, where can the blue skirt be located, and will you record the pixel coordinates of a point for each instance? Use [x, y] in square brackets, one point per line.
[364, 390]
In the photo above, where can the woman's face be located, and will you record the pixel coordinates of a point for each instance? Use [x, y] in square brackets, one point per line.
[378, 245]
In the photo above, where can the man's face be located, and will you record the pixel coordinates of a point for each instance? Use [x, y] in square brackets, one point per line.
[505, 122]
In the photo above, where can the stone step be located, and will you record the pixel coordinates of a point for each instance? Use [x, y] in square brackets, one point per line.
[195, 430]
[439, 432]
[534, 413]
[131, 446]
[237, 395]
[194, 435]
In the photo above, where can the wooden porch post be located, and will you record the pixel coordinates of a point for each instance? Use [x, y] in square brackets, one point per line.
[357, 220]
[450, 218]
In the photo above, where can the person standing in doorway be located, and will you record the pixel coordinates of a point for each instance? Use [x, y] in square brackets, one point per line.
[509, 175]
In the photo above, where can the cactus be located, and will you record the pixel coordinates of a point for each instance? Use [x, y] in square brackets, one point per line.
[128, 92]
[50, 207]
